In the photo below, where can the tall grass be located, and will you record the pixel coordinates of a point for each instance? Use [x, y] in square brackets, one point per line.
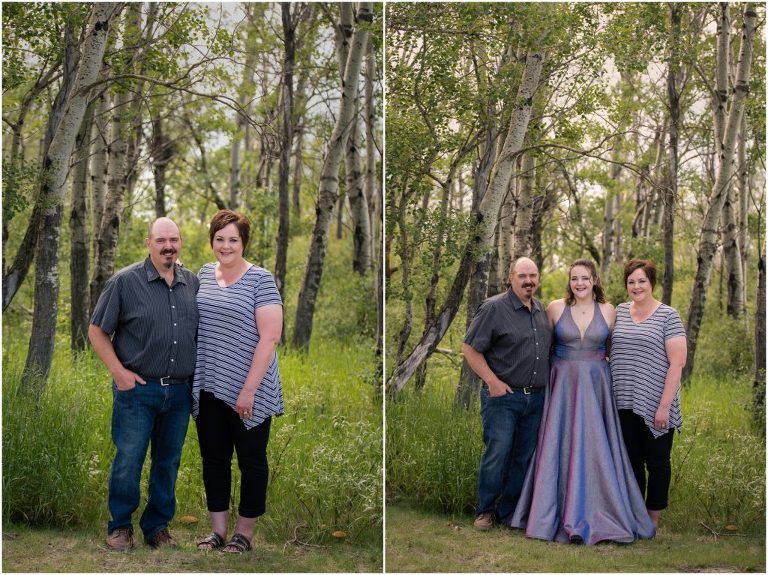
[325, 453]
[718, 460]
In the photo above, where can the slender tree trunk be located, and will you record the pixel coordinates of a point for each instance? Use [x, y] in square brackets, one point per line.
[372, 193]
[15, 163]
[78, 229]
[430, 302]
[469, 382]
[542, 204]
[758, 385]
[99, 164]
[53, 178]
[743, 182]
[358, 202]
[732, 255]
[117, 187]
[234, 168]
[161, 150]
[329, 184]
[486, 219]
[298, 154]
[14, 276]
[609, 238]
[405, 275]
[507, 223]
[586, 239]
[136, 105]
[524, 209]
[720, 97]
[670, 190]
[123, 154]
[732, 234]
[203, 170]
[708, 238]
[284, 170]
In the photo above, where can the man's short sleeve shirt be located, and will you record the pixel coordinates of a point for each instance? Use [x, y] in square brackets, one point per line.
[154, 325]
[514, 340]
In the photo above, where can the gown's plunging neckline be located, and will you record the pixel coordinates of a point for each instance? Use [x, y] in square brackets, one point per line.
[595, 311]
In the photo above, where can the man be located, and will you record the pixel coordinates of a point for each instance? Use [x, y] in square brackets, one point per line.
[507, 346]
[144, 328]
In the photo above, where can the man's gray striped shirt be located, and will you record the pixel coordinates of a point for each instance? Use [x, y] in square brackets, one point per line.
[154, 324]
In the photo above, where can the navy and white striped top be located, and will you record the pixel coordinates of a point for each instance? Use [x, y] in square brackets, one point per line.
[639, 363]
[227, 338]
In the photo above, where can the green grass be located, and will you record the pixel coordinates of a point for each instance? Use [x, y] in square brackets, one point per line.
[718, 461]
[420, 541]
[325, 453]
[27, 550]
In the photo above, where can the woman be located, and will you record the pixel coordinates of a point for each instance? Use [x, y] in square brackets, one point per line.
[236, 389]
[647, 358]
[579, 485]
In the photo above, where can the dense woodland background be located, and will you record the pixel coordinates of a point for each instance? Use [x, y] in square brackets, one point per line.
[560, 131]
[120, 112]
[569, 130]
[117, 113]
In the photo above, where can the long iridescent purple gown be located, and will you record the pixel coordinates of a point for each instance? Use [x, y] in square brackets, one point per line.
[579, 485]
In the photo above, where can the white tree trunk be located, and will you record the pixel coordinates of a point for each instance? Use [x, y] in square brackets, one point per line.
[524, 215]
[99, 163]
[78, 238]
[54, 175]
[505, 238]
[329, 184]
[743, 182]
[708, 238]
[487, 215]
[722, 65]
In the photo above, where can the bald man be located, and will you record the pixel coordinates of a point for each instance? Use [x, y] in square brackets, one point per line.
[144, 328]
[507, 346]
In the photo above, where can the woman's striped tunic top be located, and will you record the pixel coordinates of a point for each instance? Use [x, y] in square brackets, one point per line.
[227, 338]
[639, 363]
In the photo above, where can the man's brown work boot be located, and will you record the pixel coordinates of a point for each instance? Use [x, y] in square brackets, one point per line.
[120, 539]
[162, 538]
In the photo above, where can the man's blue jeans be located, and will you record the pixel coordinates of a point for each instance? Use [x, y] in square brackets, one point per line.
[510, 427]
[156, 413]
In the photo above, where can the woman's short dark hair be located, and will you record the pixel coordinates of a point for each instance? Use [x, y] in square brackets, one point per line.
[646, 265]
[597, 287]
[225, 217]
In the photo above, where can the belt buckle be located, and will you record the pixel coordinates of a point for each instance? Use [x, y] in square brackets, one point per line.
[162, 382]
[528, 390]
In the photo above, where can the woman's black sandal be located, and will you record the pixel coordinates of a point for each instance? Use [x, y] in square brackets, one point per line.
[238, 544]
[211, 542]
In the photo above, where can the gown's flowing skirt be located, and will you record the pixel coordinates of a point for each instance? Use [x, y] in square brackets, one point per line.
[580, 485]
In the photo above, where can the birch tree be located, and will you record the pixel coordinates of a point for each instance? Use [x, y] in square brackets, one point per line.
[122, 152]
[65, 63]
[709, 236]
[53, 178]
[329, 182]
[289, 22]
[486, 216]
[79, 237]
